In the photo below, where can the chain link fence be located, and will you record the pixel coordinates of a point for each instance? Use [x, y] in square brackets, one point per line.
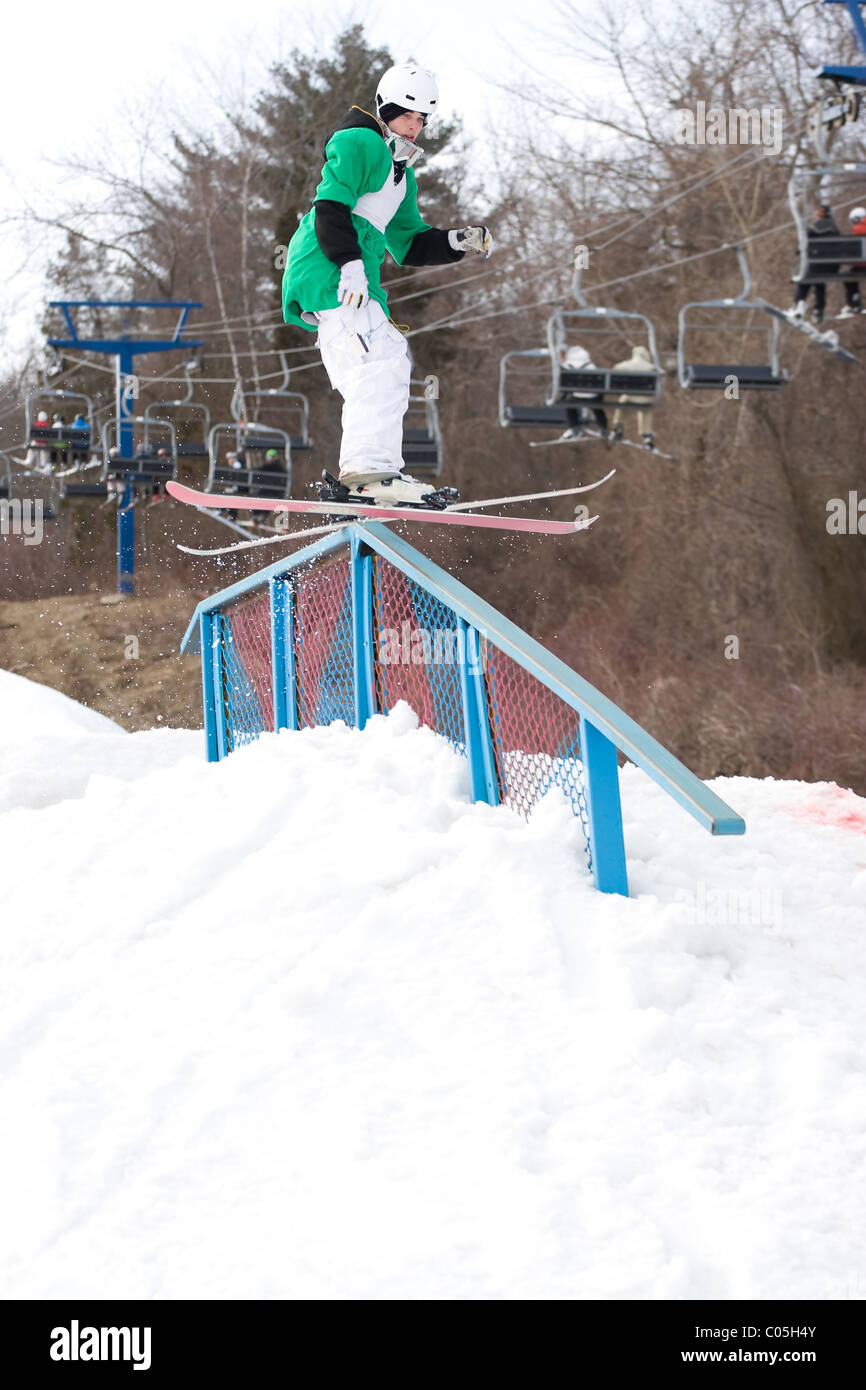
[360, 621]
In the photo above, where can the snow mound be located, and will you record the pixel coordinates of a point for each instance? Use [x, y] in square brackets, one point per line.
[52, 747]
[310, 1024]
[29, 710]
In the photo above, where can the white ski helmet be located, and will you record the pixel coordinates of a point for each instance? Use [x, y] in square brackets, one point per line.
[576, 357]
[857, 214]
[409, 86]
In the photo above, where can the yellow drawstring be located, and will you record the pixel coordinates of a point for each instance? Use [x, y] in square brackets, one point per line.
[380, 123]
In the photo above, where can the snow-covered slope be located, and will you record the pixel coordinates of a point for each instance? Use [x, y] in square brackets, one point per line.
[309, 1024]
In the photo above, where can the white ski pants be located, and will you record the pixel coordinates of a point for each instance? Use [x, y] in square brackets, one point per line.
[367, 361]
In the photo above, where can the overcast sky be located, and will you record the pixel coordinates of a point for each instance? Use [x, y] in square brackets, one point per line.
[75, 72]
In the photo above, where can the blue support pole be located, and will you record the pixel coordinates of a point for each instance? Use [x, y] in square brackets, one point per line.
[604, 809]
[217, 666]
[476, 724]
[853, 8]
[214, 725]
[126, 510]
[362, 632]
[283, 653]
[124, 349]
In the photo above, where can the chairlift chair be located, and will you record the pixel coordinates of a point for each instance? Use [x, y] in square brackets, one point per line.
[145, 471]
[65, 441]
[248, 403]
[823, 259]
[252, 480]
[716, 375]
[574, 388]
[193, 411]
[528, 365]
[422, 437]
[604, 384]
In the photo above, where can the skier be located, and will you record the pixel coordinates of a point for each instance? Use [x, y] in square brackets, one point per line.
[365, 204]
[37, 454]
[824, 225]
[58, 455]
[272, 463]
[640, 361]
[236, 461]
[853, 305]
[577, 359]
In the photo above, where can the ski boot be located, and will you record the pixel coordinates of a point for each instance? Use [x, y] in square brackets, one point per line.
[617, 434]
[817, 317]
[648, 441]
[386, 490]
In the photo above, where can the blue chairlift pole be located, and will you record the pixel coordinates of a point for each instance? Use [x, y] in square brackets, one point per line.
[125, 349]
[857, 74]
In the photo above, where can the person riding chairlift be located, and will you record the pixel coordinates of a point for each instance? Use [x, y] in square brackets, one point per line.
[640, 361]
[273, 463]
[577, 359]
[38, 456]
[824, 225]
[58, 455]
[857, 218]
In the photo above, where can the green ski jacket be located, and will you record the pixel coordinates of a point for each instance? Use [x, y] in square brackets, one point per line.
[365, 204]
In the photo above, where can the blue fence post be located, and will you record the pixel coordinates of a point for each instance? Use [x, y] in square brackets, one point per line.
[283, 653]
[476, 724]
[604, 809]
[362, 631]
[211, 679]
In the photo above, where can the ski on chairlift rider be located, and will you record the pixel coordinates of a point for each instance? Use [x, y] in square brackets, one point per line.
[366, 203]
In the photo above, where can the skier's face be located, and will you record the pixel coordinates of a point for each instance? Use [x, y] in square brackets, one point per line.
[410, 125]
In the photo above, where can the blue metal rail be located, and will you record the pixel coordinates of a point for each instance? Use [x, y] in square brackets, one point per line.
[604, 728]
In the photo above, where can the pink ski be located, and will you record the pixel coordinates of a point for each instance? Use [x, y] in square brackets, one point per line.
[362, 510]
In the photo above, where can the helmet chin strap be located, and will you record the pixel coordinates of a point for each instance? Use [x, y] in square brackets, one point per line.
[403, 151]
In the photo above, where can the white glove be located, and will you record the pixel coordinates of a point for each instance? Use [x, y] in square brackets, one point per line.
[353, 289]
[476, 239]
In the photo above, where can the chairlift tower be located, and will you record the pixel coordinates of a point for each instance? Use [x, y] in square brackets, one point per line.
[125, 349]
[840, 73]
[843, 88]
